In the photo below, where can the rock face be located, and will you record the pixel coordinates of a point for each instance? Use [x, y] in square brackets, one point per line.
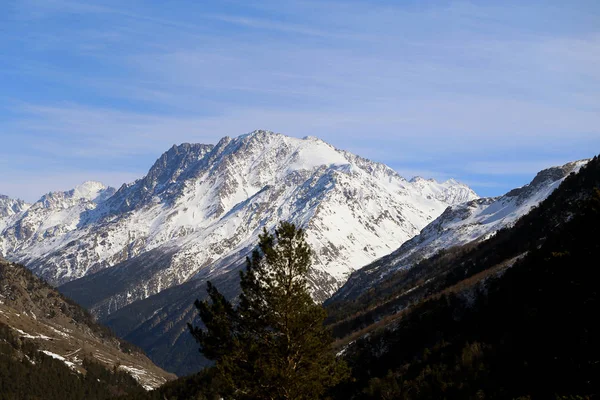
[468, 222]
[36, 312]
[9, 208]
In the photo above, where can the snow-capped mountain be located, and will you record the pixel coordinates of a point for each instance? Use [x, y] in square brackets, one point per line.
[158, 323]
[201, 208]
[460, 224]
[38, 229]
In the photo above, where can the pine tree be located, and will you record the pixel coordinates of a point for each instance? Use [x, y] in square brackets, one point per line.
[273, 344]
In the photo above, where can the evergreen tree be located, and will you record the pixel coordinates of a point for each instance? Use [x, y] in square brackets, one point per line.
[273, 345]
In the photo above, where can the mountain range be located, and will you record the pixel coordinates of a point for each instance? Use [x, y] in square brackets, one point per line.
[202, 207]
[139, 256]
[507, 317]
[469, 222]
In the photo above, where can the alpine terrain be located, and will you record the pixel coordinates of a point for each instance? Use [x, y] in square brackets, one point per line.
[510, 316]
[200, 207]
[199, 210]
[460, 224]
[37, 321]
[157, 324]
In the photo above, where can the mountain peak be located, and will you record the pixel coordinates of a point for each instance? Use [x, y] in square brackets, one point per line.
[450, 191]
[175, 160]
[259, 132]
[91, 185]
[10, 206]
[171, 168]
[89, 191]
[548, 176]
[93, 191]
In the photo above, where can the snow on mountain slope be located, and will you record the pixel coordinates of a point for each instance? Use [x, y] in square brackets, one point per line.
[205, 205]
[39, 228]
[463, 223]
[450, 192]
[10, 209]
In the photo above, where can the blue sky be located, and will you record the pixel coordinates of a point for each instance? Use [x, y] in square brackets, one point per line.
[485, 92]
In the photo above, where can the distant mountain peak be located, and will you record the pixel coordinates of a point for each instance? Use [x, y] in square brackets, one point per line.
[90, 186]
[10, 206]
[546, 176]
[175, 161]
[447, 182]
[168, 171]
[93, 191]
[89, 191]
[259, 133]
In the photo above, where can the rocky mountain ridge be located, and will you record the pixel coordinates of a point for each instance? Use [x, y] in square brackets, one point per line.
[10, 207]
[48, 222]
[460, 224]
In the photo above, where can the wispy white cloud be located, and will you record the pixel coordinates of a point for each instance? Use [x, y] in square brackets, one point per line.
[459, 126]
[91, 132]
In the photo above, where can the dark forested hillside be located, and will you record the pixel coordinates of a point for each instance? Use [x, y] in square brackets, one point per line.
[28, 373]
[51, 348]
[528, 330]
[463, 265]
